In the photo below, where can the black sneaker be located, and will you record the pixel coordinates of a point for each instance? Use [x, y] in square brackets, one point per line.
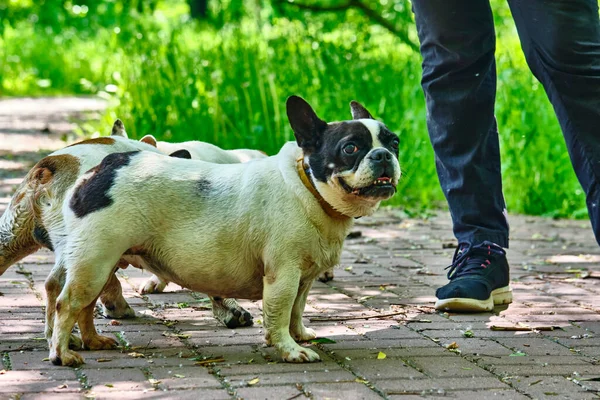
[479, 279]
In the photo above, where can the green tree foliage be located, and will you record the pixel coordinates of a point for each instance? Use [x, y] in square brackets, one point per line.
[221, 74]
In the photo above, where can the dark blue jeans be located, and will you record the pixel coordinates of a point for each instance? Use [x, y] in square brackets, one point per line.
[561, 42]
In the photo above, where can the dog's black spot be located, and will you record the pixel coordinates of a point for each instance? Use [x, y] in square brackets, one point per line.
[330, 158]
[388, 139]
[181, 154]
[203, 186]
[40, 234]
[92, 194]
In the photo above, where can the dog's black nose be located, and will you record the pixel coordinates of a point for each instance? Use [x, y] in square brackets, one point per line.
[381, 156]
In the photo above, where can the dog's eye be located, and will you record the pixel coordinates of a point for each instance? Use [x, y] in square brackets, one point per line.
[395, 143]
[350, 148]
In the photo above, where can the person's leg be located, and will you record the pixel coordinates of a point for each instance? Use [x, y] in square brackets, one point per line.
[561, 41]
[459, 80]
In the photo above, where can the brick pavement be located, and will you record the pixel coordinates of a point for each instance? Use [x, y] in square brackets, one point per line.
[175, 349]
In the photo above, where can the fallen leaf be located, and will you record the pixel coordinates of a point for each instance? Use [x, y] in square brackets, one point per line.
[452, 346]
[179, 376]
[136, 355]
[595, 379]
[381, 355]
[253, 381]
[518, 354]
[360, 380]
[468, 333]
[2, 372]
[177, 335]
[323, 340]
[63, 386]
[348, 269]
[45, 359]
[23, 272]
[101, 360]
[114, 322]
[153, 381]
[109, 385]
[210, 361]
[536, 382]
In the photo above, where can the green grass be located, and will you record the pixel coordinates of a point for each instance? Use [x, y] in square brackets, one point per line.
[228, 87]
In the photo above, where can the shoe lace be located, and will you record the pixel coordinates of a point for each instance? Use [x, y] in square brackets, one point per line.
[473, 259]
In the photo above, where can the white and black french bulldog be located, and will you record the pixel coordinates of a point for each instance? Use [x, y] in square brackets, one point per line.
[260, 230]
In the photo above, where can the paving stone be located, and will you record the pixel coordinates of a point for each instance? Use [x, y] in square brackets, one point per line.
[117, 379]
[440, 385]
[266, 392]
[441, 367]
[548, 387]
[291, 378]
[464, 395]
[396, 266]
[341, 391]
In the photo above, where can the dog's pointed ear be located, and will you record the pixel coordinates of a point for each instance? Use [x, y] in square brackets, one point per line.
[149, 139]
[118, 129]
[359, 111]
[307, 126]
[183, 153]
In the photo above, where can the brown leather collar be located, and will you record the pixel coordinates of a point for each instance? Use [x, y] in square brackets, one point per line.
[302, 168]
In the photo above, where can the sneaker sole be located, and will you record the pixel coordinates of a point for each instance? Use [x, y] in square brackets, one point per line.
[498, 296]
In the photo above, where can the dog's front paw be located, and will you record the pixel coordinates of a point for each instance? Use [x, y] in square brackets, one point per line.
[153, 285]
[326, 276]
[75, 342]
[298, 354]
[101, 343]
[304, 334]
[68, 358]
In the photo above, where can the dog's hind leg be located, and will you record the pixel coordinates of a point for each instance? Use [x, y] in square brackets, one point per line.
[230, 313]
[279, 294]
[115, 305]
[86, 277]
[298, 331]
[91, 339]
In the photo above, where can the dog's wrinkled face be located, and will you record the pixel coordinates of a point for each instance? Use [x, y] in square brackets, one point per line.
[358, 159]
[360, 156]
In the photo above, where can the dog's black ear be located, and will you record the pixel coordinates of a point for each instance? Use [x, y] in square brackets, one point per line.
[359, 111]
[307, 126]
[183, 153]
[118, 129]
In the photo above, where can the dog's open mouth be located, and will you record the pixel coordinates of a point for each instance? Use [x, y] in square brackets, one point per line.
[381, 187]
